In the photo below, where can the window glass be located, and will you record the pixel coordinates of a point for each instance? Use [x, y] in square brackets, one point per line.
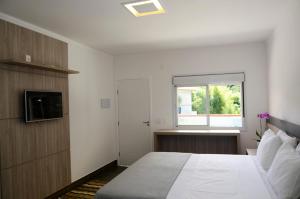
[215, 105]
[191, 105]
[225, 105]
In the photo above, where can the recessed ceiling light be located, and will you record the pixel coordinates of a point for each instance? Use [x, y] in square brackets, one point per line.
[145, 7]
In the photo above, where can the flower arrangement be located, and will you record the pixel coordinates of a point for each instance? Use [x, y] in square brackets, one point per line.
[261, 116]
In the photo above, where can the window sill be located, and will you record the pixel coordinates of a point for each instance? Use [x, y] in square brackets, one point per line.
[187, 127]
[197, 132]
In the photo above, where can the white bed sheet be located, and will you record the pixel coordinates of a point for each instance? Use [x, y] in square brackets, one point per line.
[210, 176]
[263, 174]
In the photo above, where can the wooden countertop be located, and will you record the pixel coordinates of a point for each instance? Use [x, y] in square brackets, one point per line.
[197, 132]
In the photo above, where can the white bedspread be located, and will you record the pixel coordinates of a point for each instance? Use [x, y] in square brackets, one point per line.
[220, 177]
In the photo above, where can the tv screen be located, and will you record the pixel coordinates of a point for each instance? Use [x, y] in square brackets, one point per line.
[41, 105]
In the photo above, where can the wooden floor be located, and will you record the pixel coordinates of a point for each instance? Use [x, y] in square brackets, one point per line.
[88, 189]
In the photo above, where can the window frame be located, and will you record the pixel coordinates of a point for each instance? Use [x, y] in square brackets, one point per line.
[207, 126]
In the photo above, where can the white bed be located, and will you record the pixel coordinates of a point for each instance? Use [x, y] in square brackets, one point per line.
[190, 176]
[168, 175]
[221, 176]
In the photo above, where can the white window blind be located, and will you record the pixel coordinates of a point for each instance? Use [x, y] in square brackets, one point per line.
[192, 80]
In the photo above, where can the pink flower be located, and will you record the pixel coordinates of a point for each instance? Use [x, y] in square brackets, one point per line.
[264, 115]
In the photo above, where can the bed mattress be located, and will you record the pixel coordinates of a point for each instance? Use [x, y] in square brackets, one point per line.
[192, 176]
[151, 177]
[221, 176]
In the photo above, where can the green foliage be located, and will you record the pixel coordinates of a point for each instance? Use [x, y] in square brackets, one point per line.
[223, 100]
[217, 101]
[198, 101]
[259, 136]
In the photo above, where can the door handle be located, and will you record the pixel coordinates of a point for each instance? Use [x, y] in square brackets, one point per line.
[147, 123]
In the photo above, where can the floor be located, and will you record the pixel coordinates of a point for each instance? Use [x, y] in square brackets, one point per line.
[88, 189]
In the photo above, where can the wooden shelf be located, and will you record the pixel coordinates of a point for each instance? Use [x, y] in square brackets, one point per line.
[37, 66]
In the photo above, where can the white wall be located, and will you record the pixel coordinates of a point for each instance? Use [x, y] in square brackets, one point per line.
[92, 129]
[159, 67]
[284, 66]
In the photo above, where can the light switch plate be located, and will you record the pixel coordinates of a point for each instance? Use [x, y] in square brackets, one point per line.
[105, 103]
[27, 58]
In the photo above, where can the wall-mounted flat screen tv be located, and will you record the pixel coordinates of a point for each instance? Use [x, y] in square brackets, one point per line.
[42, 105]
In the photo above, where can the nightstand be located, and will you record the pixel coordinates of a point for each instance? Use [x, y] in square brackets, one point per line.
[251, 151]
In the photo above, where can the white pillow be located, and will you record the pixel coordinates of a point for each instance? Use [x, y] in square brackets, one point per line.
[286, 138]
[298, 148]
[284, 174]
[268, 133]
[267, 149]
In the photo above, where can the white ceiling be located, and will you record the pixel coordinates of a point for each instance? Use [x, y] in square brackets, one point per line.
[106, 25]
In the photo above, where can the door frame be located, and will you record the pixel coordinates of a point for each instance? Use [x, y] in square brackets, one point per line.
[151, 140]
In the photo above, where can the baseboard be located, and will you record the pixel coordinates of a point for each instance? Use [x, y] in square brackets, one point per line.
[82, 180]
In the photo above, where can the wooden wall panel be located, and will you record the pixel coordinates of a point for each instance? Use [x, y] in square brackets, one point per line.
[64, 55]
[20, 182]
[25, 142]
[4, 93]
[14, 94]
[13, 84]
[3, 40]
[25, 181]
[59, 51]
[9, 183]
[25, 43]
[16, 42]
[38, 51]
[34, 157]
[62, 84]
[49, 51]
[8, 145]
[41, 140]
[19, 41]
[11, 40]
[22, 142]
[55, 52]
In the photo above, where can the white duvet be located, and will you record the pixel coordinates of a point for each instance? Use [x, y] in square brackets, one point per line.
[221, 177]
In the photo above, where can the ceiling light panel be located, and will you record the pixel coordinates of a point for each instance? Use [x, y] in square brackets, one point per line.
[145, 8]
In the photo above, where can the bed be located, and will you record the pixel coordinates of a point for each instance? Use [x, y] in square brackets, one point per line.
[194, 176]
[167, 175]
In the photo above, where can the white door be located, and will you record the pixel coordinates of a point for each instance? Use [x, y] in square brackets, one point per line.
[134, 119]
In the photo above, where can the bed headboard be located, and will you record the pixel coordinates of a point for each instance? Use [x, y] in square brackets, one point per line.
[291, 129]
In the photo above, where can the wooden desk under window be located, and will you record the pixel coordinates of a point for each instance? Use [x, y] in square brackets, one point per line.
[198, 141]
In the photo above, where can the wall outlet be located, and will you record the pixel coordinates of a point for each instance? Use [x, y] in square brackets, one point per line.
[27, 58]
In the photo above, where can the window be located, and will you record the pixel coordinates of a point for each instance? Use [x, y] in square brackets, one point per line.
[210, 100]
[191, 105]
